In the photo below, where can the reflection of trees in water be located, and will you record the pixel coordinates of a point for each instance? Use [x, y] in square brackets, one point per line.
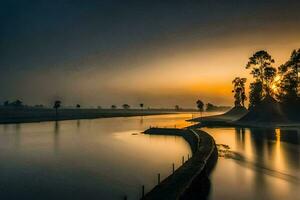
[290, 137]
[268, 145]
[240, 136]
[78, 123]
[56, 136]
[142, 120]
[17, 136]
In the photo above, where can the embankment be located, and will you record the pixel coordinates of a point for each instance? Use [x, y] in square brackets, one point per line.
[190, 181]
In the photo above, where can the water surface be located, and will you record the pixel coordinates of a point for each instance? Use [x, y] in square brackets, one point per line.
[261, 164]
[87, 159]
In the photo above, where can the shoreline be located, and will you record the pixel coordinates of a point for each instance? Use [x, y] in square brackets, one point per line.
[191, 179]
[12, 116]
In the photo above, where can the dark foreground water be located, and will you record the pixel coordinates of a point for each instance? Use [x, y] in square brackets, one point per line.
[109, 158]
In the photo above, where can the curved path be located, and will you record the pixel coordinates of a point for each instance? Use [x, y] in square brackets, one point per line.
[190, 180]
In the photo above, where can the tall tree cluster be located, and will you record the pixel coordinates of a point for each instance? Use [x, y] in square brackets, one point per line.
[263, 72]
[286, 87]
[289, 84]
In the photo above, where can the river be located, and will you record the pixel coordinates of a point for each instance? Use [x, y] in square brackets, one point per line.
[110, 158]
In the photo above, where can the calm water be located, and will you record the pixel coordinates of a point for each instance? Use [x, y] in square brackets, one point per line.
[262, 164]
[87, 159]
[108, 158]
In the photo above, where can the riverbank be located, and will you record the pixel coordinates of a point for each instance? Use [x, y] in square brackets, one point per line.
[27, 115]
[240, 117]
[190, 180]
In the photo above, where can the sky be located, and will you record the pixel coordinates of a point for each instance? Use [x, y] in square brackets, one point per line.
[160, 53]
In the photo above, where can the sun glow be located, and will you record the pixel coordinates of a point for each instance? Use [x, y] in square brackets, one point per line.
[275, 84]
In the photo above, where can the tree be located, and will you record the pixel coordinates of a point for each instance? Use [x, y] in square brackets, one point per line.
[113, 107]
[262, 71]
[17, 103]
[177, 107]
[255, 95]
[125, 106]
[78, 106]
[142, 105]
[239, 91]
[269, 75]
[6, 103]
[56, 105]
[200, 106]
[289, 82]
[258, 62]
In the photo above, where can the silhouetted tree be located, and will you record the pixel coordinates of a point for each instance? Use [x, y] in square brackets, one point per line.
[78, 106]
[113, 106]
[125, 106]
[258, 62]
[6, 103]
[142, 105]
[56, 106]
[255, 95]
[177, 107]
[269, 75]
[289, 82]
[200, 106]
[17, 103]
[239, 91]
[262, 71]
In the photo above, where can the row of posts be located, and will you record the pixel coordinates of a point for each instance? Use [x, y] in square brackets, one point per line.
[158, 176]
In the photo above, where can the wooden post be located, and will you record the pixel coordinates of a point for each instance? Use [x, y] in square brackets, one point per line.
[182, 159]
[143, 191]
[158, 178]
[173, 168]
[125, 197]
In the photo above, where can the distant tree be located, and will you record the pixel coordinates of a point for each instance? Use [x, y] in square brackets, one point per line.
[78, 106]
[17, 103]
[142, 105]
[99, 107]
[125, 106]
[39, 106]
[177, 107]
[239, 91]
[289, 83]
[113, 107]
[56, 106]
[262, 71]
[200, 106]
[6, 103]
